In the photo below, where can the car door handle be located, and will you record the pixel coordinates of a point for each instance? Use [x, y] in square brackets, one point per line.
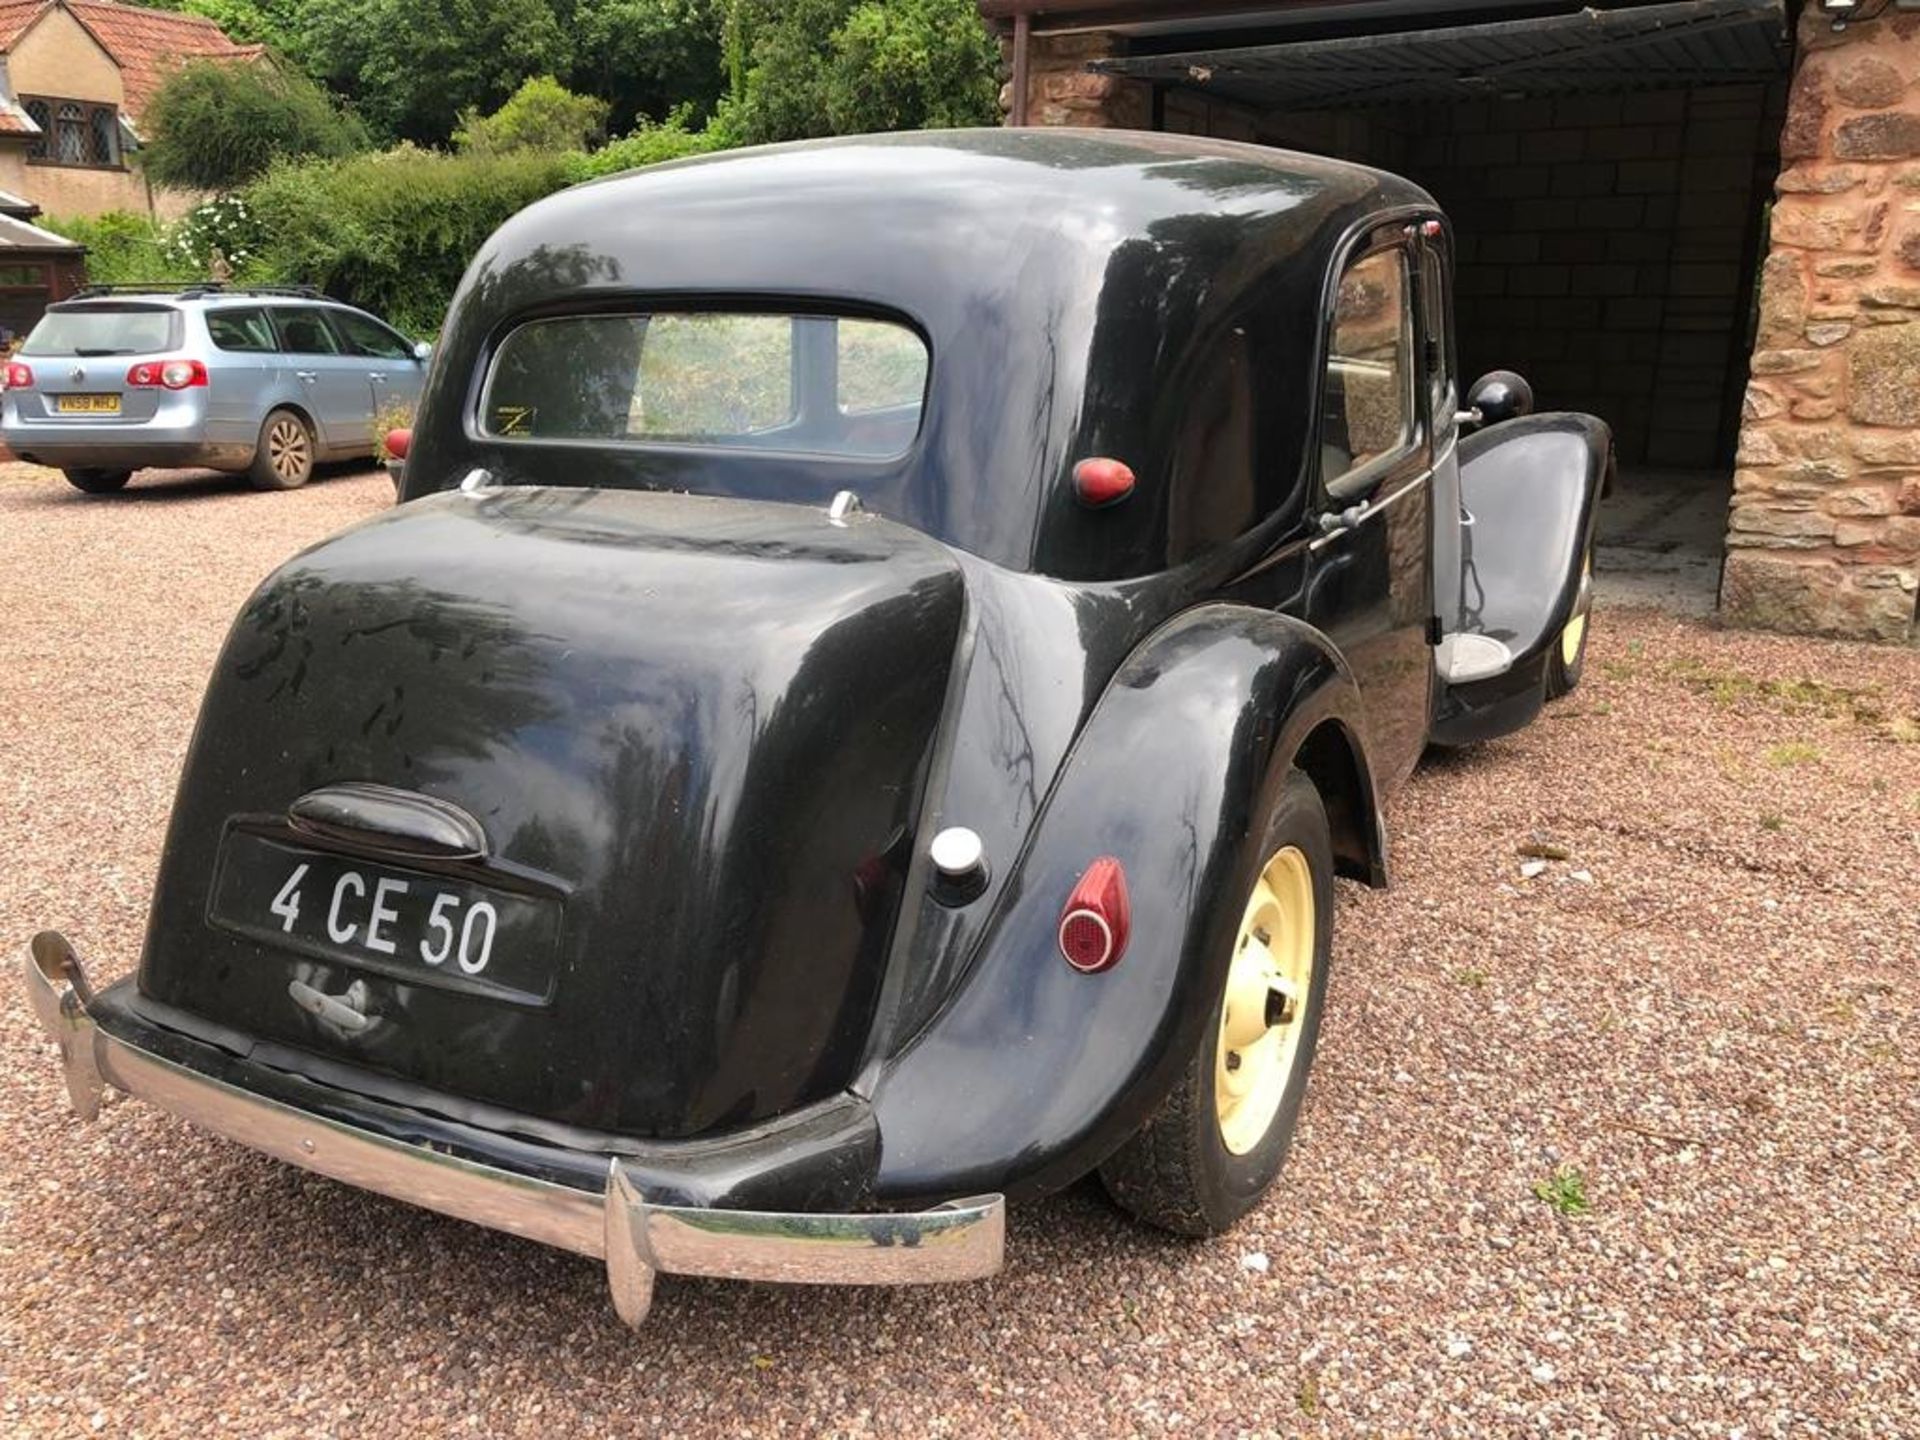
[308, 375]
[378, 377]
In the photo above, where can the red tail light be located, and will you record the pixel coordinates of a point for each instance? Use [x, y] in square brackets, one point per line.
[19, 377]
[398, 443]
[167, 374]
[1097, 919]
[1100, 482]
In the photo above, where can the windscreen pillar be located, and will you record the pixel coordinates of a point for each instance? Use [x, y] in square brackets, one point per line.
[1061, 90]
[1824, 535]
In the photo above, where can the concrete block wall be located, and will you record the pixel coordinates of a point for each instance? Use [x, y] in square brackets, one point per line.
[1603, 242]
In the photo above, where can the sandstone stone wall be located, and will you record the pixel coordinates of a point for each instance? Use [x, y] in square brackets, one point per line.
[1825, 529]
[1062, 91]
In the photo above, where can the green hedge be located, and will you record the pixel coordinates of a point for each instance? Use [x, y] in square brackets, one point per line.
[393, 232]
[124, 249]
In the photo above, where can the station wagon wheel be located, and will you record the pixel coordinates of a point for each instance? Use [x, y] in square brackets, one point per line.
[1568, 658]
[284, 458]
[98, 482]
[1210, 1151]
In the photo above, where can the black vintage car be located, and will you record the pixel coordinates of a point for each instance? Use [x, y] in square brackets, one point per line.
[885, 647]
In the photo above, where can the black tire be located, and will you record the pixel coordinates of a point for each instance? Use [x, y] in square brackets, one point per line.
[1177, 1172]
[98, 482]
[285, 455]
[1564, 670]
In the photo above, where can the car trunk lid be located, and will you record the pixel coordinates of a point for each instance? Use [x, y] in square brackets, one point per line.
[692, 736]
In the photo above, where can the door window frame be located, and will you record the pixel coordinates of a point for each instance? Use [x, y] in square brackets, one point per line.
[1365, 481]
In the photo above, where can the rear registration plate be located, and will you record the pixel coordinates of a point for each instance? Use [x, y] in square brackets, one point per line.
[87, 404]
[425, 929]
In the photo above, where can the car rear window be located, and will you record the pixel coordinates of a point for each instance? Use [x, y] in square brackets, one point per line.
[816, 384]
[240, 330]
[105, 328]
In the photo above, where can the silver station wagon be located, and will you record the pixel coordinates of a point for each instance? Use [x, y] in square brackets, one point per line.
[265, 381]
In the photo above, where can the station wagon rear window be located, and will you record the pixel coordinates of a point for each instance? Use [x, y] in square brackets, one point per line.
[813, 384]
[113, 328]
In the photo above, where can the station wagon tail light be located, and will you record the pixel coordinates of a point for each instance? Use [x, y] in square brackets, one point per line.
[1099, 481]
[1097, 919]
[167, 374]
[19, 377]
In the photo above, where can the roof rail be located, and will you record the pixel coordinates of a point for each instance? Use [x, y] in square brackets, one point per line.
[195, 289]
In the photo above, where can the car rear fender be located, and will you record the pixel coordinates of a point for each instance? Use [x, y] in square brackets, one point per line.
[1033, 1072]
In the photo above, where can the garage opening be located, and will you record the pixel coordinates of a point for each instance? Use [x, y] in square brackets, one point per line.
[1607, 172]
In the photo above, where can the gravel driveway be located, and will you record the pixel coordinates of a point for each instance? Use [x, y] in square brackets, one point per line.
[1701, 1028]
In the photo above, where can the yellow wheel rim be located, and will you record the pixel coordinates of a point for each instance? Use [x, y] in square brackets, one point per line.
[1575, 634]
[1265, 1006]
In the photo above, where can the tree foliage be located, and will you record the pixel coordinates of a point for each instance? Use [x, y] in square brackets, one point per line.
[912, 65]
[411, 67]
[825, 67]
[214, 125]
[647, 58]
[541, 115]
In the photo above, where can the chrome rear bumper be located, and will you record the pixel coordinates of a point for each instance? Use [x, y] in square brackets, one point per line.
[960, 1240]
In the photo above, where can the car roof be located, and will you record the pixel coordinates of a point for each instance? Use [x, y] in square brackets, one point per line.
[209, 298]
[1070, 284]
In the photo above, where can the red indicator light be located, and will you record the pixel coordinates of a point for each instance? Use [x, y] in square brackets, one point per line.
[399, 442]
[19, 377]
[1097, 919]
[1099, 481]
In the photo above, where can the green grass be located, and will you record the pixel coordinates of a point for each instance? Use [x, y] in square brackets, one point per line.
[1773, 820]
[1565, 1190]
[1793, 752]
[1471, 977]
[1309, 1396]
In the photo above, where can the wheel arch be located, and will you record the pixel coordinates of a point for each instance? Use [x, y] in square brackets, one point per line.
[1032, 1073]
[298, 408]
[1330, 756]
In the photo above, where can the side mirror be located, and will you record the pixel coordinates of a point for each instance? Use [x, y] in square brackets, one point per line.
[421, 350]
[1498, 395]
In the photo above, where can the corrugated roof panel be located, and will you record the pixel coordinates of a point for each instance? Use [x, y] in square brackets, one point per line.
[1691, 42]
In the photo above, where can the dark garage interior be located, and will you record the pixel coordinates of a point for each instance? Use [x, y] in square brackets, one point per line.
[1606, 170]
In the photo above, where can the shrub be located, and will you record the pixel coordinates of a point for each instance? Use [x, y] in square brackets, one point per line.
[225, 224]
[648, 144]
[913, 64]
[214, 125]
[393, 232]
[541, 115]
[124, 249]
[823, 67]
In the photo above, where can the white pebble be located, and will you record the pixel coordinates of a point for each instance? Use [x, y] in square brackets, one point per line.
[1256, 1261]
[1459, 1348]
[1532, 868]
[1543, 1374]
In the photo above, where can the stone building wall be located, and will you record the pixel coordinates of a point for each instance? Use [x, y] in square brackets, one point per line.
[1062, 91]
[1825, 530]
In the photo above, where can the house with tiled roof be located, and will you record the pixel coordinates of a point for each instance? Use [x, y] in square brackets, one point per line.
[76, 77]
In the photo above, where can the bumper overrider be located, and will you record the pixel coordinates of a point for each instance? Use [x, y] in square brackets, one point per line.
[959, 1240]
